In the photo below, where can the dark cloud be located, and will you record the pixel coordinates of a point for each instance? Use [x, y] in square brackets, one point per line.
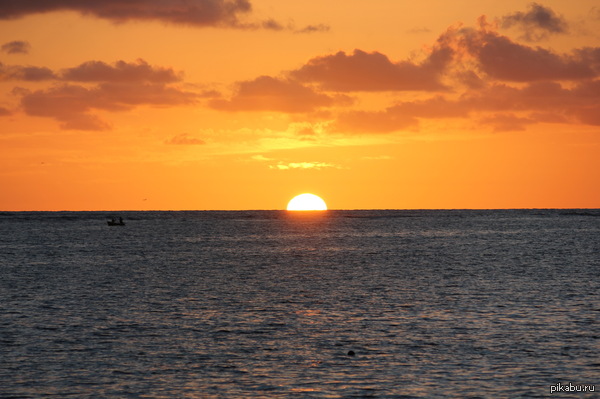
[187, 12]
[536, 23]
[591, 56]
[266, 93]
[25, 73]
[512, 108]
[537, 96]
[272, 25]
[184, 139]
[71, 104]
[314, 29]
[117, 87]
[120, 71]
[16, 47]
[498, 106]
[503, 59]
[541, 102]
[130, 95]
[198, 13]
[94, 71]
[362, 71]
[67, 104]
[4, 112]
[483, 64]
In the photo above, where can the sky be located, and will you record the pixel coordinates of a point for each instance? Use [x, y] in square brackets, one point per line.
[243, 104]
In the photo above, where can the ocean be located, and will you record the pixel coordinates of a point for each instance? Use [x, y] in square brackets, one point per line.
[273, 304]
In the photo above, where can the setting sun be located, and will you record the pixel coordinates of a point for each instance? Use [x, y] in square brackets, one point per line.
[307, 202]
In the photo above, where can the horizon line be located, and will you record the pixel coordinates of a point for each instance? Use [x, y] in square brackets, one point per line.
[285, 210]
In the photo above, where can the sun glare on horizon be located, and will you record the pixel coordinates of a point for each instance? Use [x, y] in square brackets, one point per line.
[306, 202]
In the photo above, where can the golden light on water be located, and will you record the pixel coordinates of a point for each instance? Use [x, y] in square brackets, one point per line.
[307, 202]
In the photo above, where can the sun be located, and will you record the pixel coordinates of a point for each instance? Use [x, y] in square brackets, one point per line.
[306, 202]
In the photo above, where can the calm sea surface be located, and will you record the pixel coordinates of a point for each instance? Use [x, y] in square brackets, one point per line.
[267, 304]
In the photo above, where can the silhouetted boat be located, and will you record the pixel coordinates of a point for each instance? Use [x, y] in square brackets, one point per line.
[115, 223]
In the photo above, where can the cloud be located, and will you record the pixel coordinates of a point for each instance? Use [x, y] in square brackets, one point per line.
[120, 71]
[272, 25]
[499, 106]
[358, 122]
[488, 78]
[99, 86]
[186, 12]
[506, 122]
[314, 28]
[590, 115]
[591, 56]
[71, 104]
[536, 23]
[266, 93]
[536, 96]
[400, 116]
[5, 112]
[501, 58]
[418, 30]
[303, 165]
[260, 158]
[436, 107]
[197, 13]
[16, 47]
[25, 73]
[184, 139]
[280, 165]
[94, 71]
[362, 71]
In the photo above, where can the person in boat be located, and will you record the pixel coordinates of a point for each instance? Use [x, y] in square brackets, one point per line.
[120, 220]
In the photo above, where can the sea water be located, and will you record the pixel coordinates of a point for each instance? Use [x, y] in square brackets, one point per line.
[271, 304]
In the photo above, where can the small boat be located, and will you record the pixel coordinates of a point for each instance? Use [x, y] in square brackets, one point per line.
[115, 223]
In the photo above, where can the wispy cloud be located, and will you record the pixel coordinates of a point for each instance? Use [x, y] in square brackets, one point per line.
[16, 47]
[281, 165]
[313, 29]
[184, 139]
[303, 165]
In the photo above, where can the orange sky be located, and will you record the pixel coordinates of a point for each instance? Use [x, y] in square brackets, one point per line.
[242, 104]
